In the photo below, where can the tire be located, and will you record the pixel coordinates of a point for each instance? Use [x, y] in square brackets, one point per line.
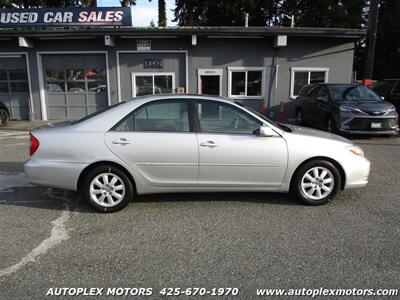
[330, 125]
[99, 188]
[299, 117]
[302, 185]
[4, 117]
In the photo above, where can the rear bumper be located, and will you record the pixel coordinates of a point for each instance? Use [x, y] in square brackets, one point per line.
[56, 174]
[357, 172]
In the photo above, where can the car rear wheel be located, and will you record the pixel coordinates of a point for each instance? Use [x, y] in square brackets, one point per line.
[107, 188]
[4, 117]
[330, 125]
[316, 182]
[299, 117]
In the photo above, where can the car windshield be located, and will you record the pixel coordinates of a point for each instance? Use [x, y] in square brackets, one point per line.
[96, 113]
[352, 93]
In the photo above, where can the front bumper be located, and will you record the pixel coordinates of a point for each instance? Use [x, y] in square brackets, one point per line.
[357, 172]
[369, 125]
[56, 174]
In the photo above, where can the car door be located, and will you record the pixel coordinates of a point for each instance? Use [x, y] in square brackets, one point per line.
[321, 107]
[158, 142]
[230, 155]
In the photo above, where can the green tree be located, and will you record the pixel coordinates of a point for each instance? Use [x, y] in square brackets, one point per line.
[224, 12]
[387, 49]
[328, 13]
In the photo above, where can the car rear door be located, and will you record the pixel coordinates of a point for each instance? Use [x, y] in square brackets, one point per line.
[158, 142]
[230, 155]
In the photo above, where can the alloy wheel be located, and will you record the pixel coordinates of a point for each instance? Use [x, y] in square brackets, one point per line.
[107, 189]
[317, 183]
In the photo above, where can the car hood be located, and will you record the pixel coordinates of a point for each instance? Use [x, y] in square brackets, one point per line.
[369, 107]
[309, 132]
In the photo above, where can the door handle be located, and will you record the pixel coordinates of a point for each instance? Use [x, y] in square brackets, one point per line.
[121, 141]
[209, 144]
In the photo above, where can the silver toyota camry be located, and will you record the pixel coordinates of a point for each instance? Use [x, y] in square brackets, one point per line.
[190, 143]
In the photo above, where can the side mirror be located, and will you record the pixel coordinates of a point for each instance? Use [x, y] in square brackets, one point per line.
[265, 131]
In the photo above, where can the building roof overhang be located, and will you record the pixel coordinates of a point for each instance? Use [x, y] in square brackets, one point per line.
[222, 31]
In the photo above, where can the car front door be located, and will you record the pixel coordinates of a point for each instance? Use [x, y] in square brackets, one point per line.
[157, 141]
[321, 107]
[230, 155]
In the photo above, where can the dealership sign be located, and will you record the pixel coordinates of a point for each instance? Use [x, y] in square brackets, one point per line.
[45, 17]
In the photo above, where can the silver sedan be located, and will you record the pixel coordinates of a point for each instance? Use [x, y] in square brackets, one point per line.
[188, 143]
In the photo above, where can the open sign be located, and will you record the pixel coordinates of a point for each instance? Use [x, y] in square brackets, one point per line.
[152, 63]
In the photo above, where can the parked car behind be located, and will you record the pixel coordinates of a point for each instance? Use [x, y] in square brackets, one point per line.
[346, 109]
[190, 143]
[389, 90]
[4, 114]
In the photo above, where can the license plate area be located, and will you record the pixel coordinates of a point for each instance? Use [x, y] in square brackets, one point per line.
[376, 125]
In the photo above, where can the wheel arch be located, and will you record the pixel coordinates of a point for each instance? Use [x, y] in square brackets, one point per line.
[86, 170]
[334, 162]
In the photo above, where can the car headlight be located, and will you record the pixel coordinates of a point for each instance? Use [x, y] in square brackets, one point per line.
[350, 109]
[355, 150]
[392, 109]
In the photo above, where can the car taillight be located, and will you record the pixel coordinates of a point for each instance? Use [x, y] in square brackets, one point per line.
[33, 145]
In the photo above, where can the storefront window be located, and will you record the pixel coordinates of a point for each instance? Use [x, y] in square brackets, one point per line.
[19, 87]
[76, 80]
[18, 75]
[238, 83]
[14, 81]
[75, 74]
[254, 80]
[153, 84]
[3, 87]
[304, 76]
[162, 84]
[246, 83]
[55, 74]
[3, 75]
[300, 79]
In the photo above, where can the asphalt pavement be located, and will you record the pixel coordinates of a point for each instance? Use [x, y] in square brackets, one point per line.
[50, 238]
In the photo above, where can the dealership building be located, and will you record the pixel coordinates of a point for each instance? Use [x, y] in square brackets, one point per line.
[68, 69]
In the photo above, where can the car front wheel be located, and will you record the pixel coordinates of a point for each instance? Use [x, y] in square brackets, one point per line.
[316, 182]
[107, 189]
[4, 117]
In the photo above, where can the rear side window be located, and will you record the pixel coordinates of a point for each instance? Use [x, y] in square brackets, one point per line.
[157, 116]
[383, 87]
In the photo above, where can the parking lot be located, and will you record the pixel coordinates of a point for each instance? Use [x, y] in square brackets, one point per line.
[50, 238]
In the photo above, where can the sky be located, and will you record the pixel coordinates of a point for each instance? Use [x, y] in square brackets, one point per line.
[144, 11]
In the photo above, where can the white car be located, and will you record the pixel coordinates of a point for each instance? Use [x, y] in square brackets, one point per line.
[190, 143]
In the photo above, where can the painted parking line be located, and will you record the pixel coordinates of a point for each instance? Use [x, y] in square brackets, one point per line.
[58, 234]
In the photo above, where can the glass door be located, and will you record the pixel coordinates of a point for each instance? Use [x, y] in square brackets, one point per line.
[152, 83]
[209, 81]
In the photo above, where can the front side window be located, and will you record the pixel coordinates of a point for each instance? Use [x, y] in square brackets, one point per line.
[246, 83]
[304, 76]
[157, 116]
[215, 117]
